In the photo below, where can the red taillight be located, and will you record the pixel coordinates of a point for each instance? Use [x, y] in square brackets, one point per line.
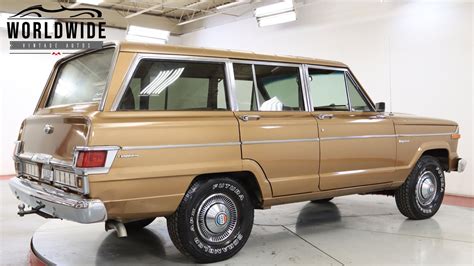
[88, 159]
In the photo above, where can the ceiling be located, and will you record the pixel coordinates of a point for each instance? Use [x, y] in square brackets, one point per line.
[181, 11]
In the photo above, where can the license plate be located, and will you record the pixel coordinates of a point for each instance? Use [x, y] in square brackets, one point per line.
[47, 174]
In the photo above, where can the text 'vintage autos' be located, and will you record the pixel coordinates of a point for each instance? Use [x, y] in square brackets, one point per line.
[131, 132]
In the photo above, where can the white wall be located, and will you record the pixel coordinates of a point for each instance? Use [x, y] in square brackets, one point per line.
[431, 55]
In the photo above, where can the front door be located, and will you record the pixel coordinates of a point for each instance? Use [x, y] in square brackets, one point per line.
[357, 144]
[275, 129]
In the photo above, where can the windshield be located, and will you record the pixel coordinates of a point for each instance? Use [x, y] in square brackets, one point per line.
[82, 79]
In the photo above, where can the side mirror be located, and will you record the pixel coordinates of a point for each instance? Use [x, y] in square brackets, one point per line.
[380, 107]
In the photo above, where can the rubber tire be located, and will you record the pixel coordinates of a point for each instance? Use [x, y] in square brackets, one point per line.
[181, 227]
[322, 200]
[405, 196]
[138, 225]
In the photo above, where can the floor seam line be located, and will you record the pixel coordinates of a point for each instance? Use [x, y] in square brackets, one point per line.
[311, 244]
[398, 234]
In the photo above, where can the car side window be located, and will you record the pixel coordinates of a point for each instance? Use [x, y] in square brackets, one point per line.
[328, 90]
[277, 88]
[160, 85]
[245, 87]
[358, 102]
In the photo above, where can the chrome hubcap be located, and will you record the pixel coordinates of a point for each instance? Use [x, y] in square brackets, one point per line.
[426, 188]
[217, 218]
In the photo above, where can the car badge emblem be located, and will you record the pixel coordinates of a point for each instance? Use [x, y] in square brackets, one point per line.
[48, 129]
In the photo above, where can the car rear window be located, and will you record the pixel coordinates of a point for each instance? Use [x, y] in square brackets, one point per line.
[82, 79]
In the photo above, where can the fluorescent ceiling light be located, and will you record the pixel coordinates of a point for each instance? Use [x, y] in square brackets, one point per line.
[274, 9]
[277, 19]
[90, 2]
[233, 4]
[142, 34]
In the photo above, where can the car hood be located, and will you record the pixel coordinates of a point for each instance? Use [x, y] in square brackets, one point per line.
[408, 119]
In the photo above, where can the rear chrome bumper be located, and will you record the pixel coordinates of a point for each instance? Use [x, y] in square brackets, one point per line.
[462, 163]
[58, 203]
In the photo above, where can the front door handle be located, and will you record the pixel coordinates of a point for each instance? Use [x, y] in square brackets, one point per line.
[325, 116]
[246, 118]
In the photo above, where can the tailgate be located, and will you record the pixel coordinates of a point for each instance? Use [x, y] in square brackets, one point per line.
[55, 135]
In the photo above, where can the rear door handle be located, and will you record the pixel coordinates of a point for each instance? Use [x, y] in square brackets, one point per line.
[325, 116]
[246, 118]
[378, 116]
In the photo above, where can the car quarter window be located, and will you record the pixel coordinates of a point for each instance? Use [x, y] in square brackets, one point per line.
[176, 85]
[278, 87]
[358, 102]
[328, 90]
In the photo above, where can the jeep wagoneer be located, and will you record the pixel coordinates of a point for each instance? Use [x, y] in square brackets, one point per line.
[203, 137]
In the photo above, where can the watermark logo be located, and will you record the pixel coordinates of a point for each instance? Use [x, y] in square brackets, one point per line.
[34, 30]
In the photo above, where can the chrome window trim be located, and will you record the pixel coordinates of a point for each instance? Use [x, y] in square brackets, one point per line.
[143, 56]
[257, 91]
[172, 146]
[265, 63]
[54, 73]
[109, 77]
[349, 103]
[359, 90]
[343, 70]
[231, 87]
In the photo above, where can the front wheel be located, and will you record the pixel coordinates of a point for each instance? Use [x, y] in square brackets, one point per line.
[213, 221]
[422, 193]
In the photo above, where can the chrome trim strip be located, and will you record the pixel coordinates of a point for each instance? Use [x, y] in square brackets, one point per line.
[424, 135]
[171, 146]
[250, 142]
[358, 137]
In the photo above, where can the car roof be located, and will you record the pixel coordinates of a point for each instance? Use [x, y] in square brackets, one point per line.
[217, 53]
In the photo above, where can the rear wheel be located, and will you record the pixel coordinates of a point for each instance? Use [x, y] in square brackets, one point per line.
[137, 225]
[421, 195]
[322, 200]
[213, 221]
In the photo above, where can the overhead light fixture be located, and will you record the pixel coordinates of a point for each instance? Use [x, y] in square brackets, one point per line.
[142, 34]
[233, 4]
[90, 2]
[277, 19]
[277, 13]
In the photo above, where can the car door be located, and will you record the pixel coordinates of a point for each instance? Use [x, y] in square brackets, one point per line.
[276, 131]
[357, 144]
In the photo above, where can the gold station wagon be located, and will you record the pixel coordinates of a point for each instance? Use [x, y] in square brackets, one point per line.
[203, 137]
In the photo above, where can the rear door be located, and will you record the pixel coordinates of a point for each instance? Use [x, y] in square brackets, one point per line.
[357, 144]
[275, 129]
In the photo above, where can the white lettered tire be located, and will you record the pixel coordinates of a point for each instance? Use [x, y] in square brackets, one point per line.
[213, 221]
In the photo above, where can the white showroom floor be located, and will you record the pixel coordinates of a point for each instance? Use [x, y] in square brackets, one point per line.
[349, 230]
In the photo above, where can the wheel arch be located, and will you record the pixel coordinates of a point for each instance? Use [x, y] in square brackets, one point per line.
[250, 178]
